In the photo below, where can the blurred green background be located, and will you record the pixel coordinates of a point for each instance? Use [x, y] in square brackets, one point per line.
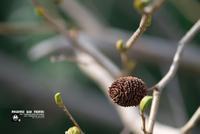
[27, 84]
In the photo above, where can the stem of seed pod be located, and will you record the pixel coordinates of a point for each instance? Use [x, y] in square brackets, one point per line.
[143, 122]
[71, 118]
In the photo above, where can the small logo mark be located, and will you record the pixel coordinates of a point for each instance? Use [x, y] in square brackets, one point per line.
[16, 118]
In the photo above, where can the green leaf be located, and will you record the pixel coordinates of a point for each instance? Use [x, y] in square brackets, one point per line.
[58, 99]
[73, 130]
[145, 102]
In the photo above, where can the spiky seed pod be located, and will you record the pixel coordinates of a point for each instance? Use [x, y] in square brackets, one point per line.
[127, 91]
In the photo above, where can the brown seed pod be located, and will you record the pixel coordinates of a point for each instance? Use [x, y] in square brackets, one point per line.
[127, 91]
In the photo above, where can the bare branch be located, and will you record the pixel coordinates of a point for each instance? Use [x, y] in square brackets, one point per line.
[72, 118]
[170, 74]
[138, 32]
[175, 99]
[144, 23]
[129, 116]
[151, 44]
[173, 68]
[92, 54]
[192, 122]
[71, 36]
[123, 54]
[148, 11]
[103, 78]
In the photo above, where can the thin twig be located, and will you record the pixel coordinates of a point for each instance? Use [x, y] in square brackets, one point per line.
[144, 22]
[129, 117]
[138, 32]
[148, 11]
[192, 122]
[71, 118]
[71, 36]
[173, 68]
[170, 74]
[143, 122]
[61, 28]
[123, 54]
[189, 60]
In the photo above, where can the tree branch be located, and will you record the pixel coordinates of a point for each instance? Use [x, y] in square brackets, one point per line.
[147, 13]
[192, 122]
[173, 68]
[103, 43]
[144, 23]
[138, 32]
[103, 78]
[170, 74]
[98, 63]
[71, 36]
[131, 41]
[69, 115]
